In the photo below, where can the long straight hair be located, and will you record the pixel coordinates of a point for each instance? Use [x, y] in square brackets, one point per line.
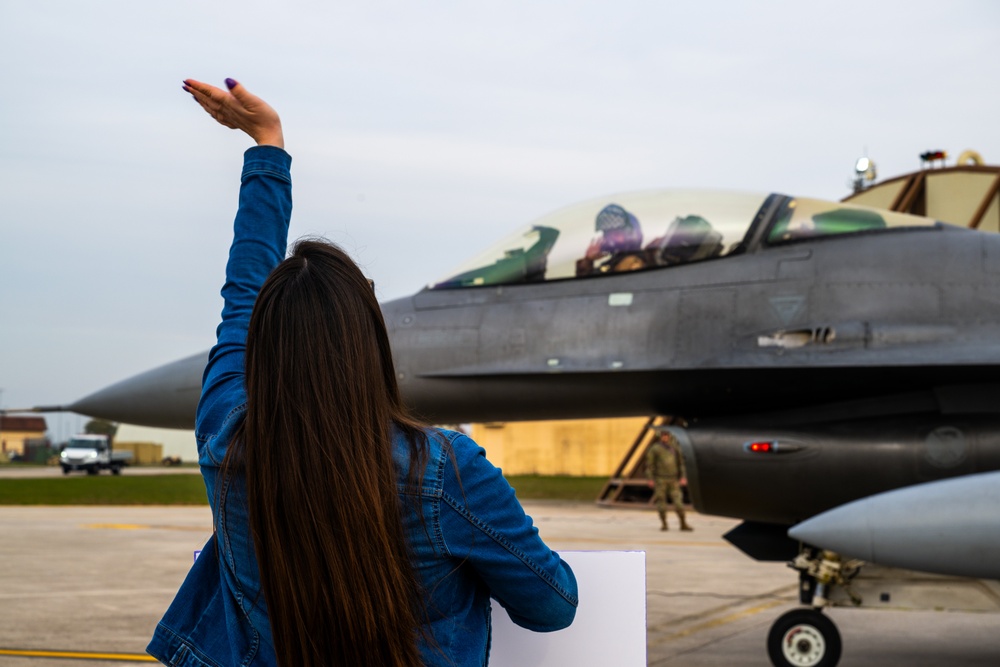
[316, 451]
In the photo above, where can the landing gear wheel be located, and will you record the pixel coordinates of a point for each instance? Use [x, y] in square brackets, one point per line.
[803, 638]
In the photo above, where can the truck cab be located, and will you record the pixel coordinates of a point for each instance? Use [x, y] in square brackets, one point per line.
[92, 453]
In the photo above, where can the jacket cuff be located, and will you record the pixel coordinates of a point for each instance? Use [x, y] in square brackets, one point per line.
[269, 160]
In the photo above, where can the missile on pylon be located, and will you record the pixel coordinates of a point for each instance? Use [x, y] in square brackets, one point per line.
[946, 527]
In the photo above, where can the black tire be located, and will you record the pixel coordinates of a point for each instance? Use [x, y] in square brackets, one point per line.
[92, 470]
[65, 470]
[803, 638]
[116, 470]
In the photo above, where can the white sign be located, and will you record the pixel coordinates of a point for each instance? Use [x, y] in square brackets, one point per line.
[610, 623]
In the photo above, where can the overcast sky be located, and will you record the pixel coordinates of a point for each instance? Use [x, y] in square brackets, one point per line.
[421, 133]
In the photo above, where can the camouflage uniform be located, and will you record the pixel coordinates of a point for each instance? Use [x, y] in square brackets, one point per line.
[665, 466]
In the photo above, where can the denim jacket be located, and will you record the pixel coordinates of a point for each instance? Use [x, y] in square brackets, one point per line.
[473, 542]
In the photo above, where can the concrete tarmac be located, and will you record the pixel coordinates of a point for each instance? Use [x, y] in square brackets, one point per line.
[78, 584]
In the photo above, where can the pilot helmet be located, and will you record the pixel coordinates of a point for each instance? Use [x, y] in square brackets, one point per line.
[621, 231]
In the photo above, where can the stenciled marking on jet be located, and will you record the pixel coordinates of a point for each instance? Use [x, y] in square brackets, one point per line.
[786, 307]
[620, 299]
[946, 447]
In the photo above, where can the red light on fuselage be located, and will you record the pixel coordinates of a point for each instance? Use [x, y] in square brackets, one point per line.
[761, 447]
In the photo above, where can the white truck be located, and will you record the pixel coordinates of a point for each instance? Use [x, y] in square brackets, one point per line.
[92, 453]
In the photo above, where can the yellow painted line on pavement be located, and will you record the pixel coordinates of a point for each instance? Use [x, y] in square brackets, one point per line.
[716, 622]
[140, 526]
[77, 655]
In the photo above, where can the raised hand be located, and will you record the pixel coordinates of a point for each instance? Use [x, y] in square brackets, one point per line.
[595, 250]
[239, 109]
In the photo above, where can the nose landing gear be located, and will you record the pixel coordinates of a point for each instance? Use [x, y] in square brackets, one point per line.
[804, 638]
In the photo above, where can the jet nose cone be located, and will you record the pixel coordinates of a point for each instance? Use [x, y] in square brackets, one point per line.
[164, 397]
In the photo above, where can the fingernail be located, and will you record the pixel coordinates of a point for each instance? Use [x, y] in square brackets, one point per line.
[231, 83]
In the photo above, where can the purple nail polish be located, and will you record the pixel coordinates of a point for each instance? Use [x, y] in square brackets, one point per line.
[230, 83]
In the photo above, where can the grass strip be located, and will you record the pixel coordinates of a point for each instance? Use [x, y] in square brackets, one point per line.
[556, 487]
[190, 490]
[105, 490]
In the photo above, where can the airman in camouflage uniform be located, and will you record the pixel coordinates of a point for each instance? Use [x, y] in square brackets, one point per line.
[665, 466]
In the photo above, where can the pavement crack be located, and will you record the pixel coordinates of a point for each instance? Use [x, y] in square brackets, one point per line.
[708, 617]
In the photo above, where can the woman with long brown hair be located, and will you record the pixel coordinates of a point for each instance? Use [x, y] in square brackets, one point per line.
[346, 532]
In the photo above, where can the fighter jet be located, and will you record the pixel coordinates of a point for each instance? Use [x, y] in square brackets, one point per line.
[820, 352]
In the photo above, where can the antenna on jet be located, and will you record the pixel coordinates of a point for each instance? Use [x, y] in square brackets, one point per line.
[864, 173]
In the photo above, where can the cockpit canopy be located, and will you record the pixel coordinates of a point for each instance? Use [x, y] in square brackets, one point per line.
[660, 228]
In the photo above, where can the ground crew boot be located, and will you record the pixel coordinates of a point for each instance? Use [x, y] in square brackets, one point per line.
[663, 521]
[684, 523]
